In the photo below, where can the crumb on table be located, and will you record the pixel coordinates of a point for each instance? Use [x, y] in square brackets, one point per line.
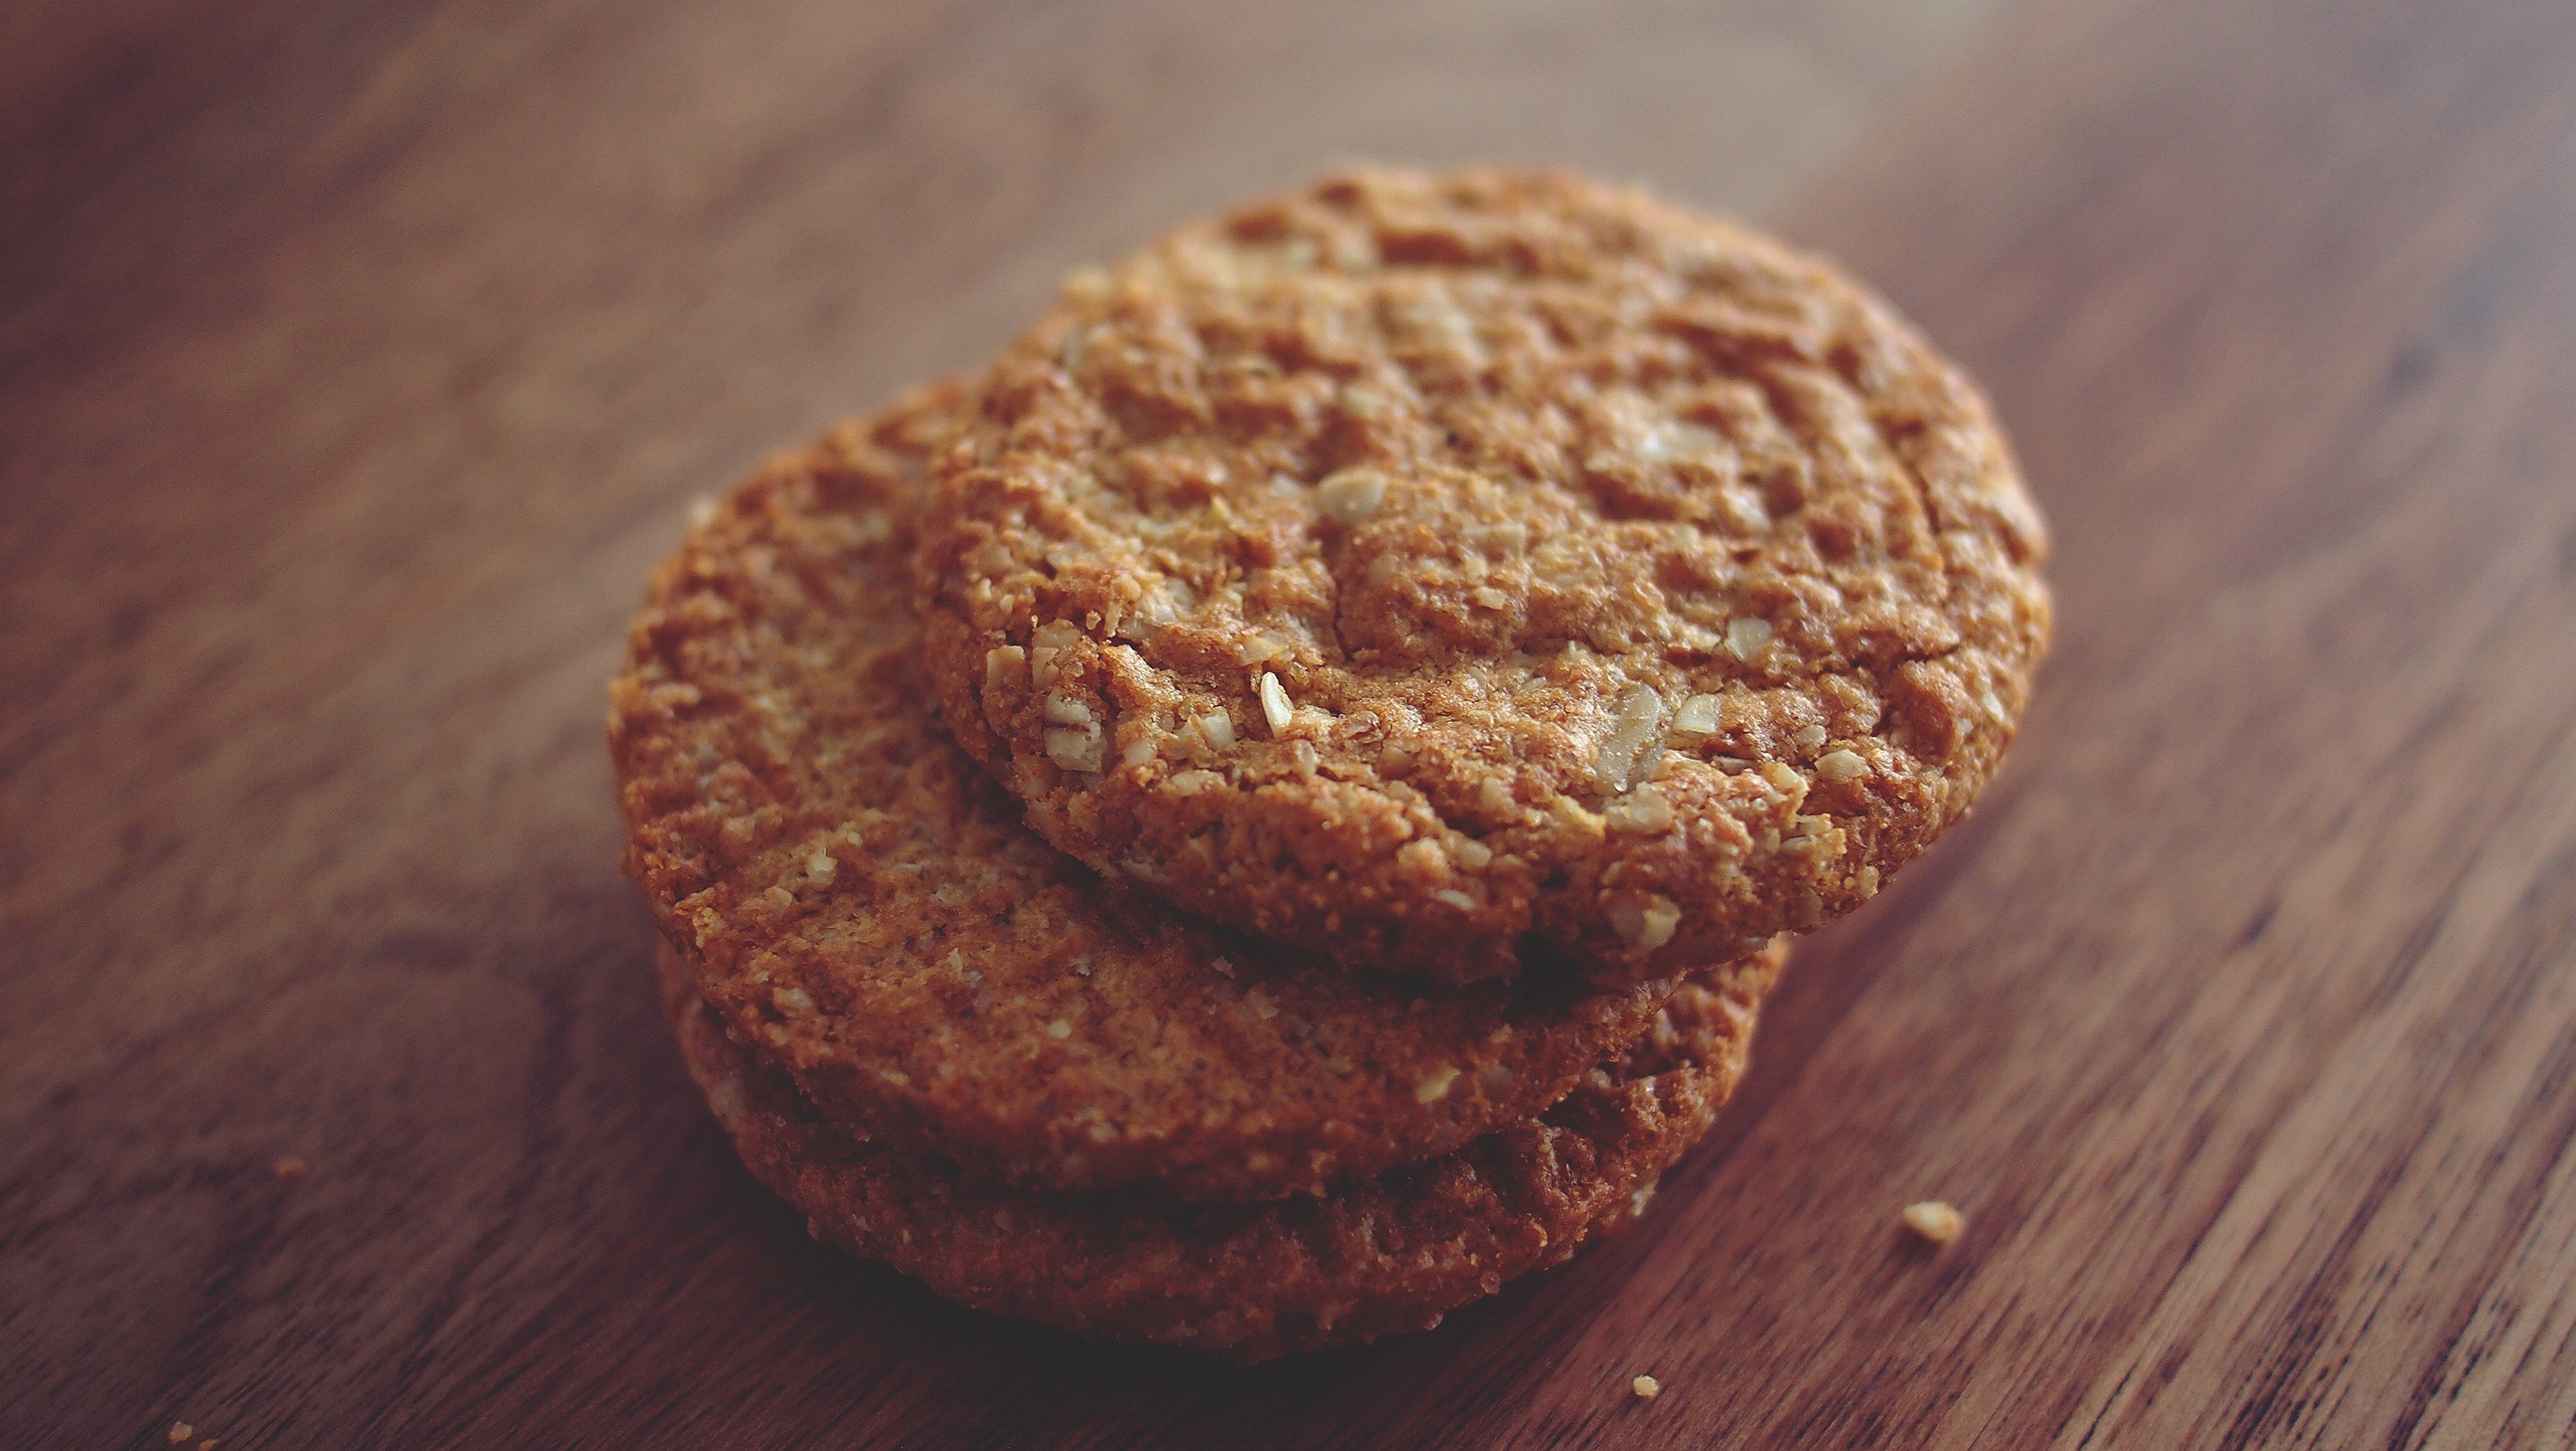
[1646, 1387]
[1935, 1221]
[180, 1431]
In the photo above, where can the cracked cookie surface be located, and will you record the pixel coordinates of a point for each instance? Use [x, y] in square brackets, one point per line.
[1439, 570]
[1387, 1253]
[863, 905]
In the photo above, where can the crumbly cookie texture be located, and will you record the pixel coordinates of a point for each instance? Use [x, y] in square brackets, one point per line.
[1424, 569]
[866, 908]
[1390, 1253]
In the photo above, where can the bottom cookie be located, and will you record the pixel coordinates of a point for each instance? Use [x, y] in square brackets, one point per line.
[1251, 1281]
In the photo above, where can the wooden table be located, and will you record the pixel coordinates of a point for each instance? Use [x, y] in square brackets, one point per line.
[358, 357]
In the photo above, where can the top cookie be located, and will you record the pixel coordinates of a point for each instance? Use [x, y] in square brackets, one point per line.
[867, 913]
[1425, 569]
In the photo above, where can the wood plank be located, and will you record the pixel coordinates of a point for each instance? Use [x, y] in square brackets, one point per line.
[371, 354]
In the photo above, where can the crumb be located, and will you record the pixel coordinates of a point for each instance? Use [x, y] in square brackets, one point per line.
[180, 1431]
[290, 1169]
[1646, 1387]
[208, 1444]
[1935, 1221]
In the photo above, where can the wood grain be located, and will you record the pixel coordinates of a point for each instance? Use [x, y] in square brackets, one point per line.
[357, 360]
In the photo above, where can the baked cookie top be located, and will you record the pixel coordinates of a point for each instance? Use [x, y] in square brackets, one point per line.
[1387, 1253]
[1423, 568]
[867, 912]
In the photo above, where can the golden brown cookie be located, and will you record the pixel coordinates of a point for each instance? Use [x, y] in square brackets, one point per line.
[860, 902]
[1420, 568]
[1385, 1254]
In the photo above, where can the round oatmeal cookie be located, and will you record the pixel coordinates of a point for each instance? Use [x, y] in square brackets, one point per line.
[1387, 1253]
[861, 903]
[1421, 568]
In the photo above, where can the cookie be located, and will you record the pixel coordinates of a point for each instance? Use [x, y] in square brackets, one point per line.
[859, 901]
[1390, 1253]
[1443, 572]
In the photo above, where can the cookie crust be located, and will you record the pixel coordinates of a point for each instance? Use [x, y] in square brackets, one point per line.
[856, 899]
[1423, 568]
[1386, 1254]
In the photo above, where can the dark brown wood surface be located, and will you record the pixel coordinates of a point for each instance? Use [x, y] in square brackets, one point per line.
[358, 359]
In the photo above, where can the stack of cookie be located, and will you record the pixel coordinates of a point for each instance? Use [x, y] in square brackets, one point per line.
[1266, 813]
